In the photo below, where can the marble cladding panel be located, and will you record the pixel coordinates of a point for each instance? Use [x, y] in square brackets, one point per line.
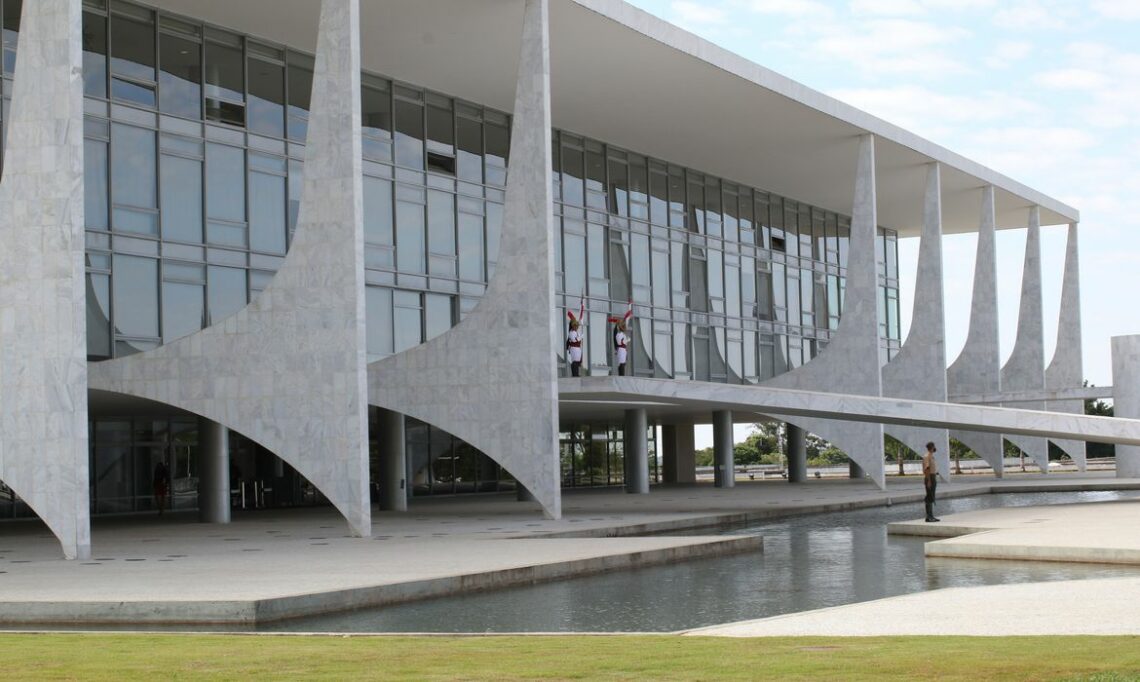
[491, 380]
[289, 370]
[1067, 367]
[1126, 398]
[43, 347]
[850, 363]
[919, 369]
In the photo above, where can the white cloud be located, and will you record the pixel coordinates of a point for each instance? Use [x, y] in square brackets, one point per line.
[887, 7]
[894, 46]
[1005, 53]
[1072, 79]
[791, 8]
[687, 12]
[1128, 10]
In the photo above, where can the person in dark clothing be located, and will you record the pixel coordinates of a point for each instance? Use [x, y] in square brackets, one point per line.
[161, 482]
[930, 480]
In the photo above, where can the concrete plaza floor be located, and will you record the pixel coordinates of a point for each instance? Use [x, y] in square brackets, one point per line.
[275, 564]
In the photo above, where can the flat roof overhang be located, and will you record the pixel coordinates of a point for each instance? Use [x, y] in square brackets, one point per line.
[623, 76]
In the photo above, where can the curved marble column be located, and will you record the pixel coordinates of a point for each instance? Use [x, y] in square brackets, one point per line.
[43, 332]
[1126, 398]
[288, 371]
[850, 363]
[1025, 368]
[978, 367]
[1067, 367]
[918, 371]
[492, 379]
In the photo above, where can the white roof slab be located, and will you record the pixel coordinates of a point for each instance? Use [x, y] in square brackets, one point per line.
[628, 78]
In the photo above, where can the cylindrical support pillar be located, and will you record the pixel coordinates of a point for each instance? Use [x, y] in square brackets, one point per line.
[213, 472]
[724, 474]
[393, 492]
[679, 457]
[855, 471]
[636, 452]
[796, 453]
[1126, 398]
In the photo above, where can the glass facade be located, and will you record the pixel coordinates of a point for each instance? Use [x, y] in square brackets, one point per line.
[194, 141]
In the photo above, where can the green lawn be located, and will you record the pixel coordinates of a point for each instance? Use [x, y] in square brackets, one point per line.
[252, 657]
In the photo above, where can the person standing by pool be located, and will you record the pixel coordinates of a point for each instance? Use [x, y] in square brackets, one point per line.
[930, 480]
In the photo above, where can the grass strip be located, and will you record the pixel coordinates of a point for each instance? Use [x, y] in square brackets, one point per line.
[119, 656]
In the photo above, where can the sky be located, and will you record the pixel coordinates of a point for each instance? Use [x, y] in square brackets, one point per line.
[1046, 92]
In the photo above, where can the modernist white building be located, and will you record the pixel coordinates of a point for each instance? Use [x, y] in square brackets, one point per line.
[301, 249]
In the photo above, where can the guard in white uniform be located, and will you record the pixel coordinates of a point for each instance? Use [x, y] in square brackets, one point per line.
[621, 346]
[574, 347]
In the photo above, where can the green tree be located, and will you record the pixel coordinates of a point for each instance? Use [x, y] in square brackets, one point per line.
[1099, 408]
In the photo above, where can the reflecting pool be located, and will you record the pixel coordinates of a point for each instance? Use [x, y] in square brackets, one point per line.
[808, 562]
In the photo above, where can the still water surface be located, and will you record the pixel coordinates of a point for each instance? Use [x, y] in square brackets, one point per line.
[808, 562]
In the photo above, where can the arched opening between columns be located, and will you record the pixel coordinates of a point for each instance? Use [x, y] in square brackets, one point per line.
[130, 436]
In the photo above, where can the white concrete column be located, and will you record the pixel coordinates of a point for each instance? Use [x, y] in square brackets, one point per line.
[492, 379]
[393, 462]
[1126, 398]
[288, 370]
[724, 471]
[678, 453]
[43, 324]
[213, 472]
[1025, 369]
[850, 363]
[636, 452]
[1067, 368]
[978, 367]
[796, 453]
[918, 371]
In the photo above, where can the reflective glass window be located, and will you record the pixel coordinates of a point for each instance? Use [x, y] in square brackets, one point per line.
[497, 139]
[379, 316]
[619, 187]
[437, 315]
[181, 199]
[574, 262]
[227, 292]
[377, 211]
[764, 295]
[94, 55]
[639, 266]
[266, 109]
[98, 315]
[638, 187]
[180, 80]
[410, 256]
[12, 10]
[300, 77]
[133, 57]
[471, 247]
[573, 176]
[133, 175]
[441, 222]
[267, 223]
[225, 183]
[407, 320]
[95, 184]
[225, 79]
[183, 309]
[661, 289]
[469, 162]
[135, 283]
[410, 134]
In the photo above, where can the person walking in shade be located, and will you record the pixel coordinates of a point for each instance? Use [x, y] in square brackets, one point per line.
[930, 480]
